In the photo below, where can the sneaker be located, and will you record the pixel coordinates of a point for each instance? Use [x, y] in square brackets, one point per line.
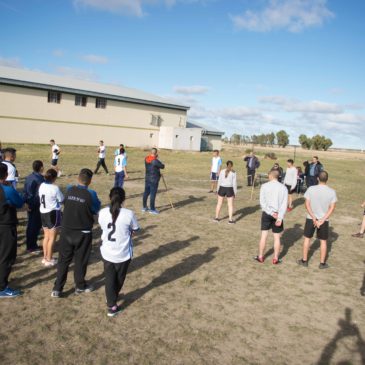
[289, 209]
[216, 220]
[35, 251]
[231, 222]
[358, 235]
[10, 293]
[44, 261]
[323, 265]
[50, 263]
[144, 210]
[301, 262]
[113, 311]
[276, 261]
[56, 294]
[154, 212]
[87, 289]
[259, 259]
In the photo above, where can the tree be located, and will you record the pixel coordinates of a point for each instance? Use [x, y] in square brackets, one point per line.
[327, 143]
[317, 142]
[271, 139]
[282, 138]
[236, 138]
[305, 141]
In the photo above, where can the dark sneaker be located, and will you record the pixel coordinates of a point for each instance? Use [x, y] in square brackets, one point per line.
[277, 261]
[154, 212]
[259, 259]
[113, 311]
[35, 251]
[323, 266]
[231, 222]
[87, 289]
[301, 262]
[10, 293]
[216, 220]
[358, 235]
[56, 294]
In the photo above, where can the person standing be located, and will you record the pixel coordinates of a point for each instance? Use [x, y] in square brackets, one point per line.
[360, 234]
[273, 201]
[153, 166]
[120, 167]
[10, 200]
[215, 170]
[80, 206]
[101, 161]
[118, 226]
[280, 170]
[252, 164]
[320, 202]
[31, 198]
[227, 187]
[314, 168]
[55, 152]
[290, 181]
[9, 159]
[50, 208]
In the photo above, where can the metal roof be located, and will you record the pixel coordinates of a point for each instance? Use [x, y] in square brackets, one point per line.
[206, 130]
[40, 80]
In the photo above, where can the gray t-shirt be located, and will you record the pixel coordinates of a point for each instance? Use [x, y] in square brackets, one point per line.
[320, 197]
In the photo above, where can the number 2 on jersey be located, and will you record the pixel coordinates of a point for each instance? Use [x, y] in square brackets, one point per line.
[110, 235]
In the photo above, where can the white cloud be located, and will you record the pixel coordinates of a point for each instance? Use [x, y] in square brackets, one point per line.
[191, 90]
[58, 52]
[10, 62]
[291, 15]
[76, 73]
[96, 59]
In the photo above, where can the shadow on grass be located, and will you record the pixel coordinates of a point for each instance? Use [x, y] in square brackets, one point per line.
[362, 289]
[298, 202]
[333, 236]
[182, 203]
[347, 329]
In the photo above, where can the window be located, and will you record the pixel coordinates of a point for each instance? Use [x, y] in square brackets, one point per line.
[156, 120]
[54, 97]
[151, 135]
[80, 100]
[100, 103]
[177, 136]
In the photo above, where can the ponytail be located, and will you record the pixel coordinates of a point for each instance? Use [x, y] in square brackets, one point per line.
[117, 197]
[229, 168]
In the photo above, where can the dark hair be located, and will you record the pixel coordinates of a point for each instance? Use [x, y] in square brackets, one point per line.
[117, 197]
[323, 176]
[9, 151]
[316, 157]
[216, 151]
[101, 141]
[305, 163]
[121, 151]
[85, 176]
[290, 161]
[50, 176]
[52, 140]
[154, 149]
[229, 167]
[121, 145]
[3, 171]
[37, 165]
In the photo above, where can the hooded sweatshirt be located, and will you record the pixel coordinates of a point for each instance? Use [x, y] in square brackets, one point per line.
[153, 166]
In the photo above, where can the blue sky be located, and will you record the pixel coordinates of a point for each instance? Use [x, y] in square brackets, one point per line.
[244, 66]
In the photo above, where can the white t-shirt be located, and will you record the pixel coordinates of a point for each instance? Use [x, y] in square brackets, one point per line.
[55, 150]
[119, 163]
[216, 164]
[50, 197]
[320, 197]
[11, 171]
[274, 198]
[102, 151]
[117, 245]
[291, 177]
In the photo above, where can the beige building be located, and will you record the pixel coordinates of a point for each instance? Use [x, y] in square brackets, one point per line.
[35, 107]
[211, 138]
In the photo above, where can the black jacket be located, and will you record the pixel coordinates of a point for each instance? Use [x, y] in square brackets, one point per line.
[256, 162]
[153, 167]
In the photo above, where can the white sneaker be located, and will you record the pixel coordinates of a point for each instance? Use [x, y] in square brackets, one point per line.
[59, 173]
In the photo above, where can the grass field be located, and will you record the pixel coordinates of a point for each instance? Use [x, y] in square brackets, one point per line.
[193, 294]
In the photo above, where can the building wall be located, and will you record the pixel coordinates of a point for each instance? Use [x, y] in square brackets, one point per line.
[29, 117]
[211, 142]
[184, 139]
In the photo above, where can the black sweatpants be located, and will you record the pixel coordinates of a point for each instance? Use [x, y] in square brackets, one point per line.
[250, 176]
[8, 248]
[115, 275]
[73, 244]
[102, 163]
[33, 228]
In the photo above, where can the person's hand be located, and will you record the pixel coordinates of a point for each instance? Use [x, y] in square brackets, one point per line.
[363, 205]
[275, 215]
[278, 222]
[314, 222]
[126, 176]
[319, 222]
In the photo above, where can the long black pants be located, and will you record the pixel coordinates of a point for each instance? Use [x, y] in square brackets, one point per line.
[73, 244]
[250, 176]
[102, 163]
[33, 228]
[115, 275]
[8, 248]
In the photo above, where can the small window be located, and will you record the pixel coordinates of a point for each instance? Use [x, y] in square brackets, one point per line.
[80, 100]
[177, 136]
[156, 120]
[151, 135]
[191, 138]
[54, 97]
[100, 103]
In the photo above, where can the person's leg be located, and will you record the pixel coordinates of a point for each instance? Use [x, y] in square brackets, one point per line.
[97, 166]
[121, 179]
[290, 201]
[323, 253]
[262, 244]
[82, 255]
[146, 194]
[277, 245]
[45, 242]
[230, 208]
[306, 245]
[122, 270]
[51, 240]
[362, 229]
[153, 190]
[104, 166]
[249, 180]
[116, 179]
[33, 228]
[111, 283]
[8, 249]
[219, 206]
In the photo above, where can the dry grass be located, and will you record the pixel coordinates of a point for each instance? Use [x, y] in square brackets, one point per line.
[193, 294]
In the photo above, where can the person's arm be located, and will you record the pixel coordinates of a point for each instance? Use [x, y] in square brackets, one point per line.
[246, 158]
[235, 184]
[125, 172]
[219, 165]
[59, 196]
[263, 202]
[159, 164]
[219, 181]
[14, 198]
[134, 227]
[96, 204]
[327, 215]
[283, 206]
[294, 179]
[310, 211]
[363, 205]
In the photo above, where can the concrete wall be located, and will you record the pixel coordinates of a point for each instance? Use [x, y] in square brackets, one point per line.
[184, 139]
[26, 116]
[211, 142]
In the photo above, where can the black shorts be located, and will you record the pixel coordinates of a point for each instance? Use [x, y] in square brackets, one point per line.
[214, 176]
[54, 162]
[290, 192]
[51, 220]
[322, 232]
[268, 222]
[225, 192]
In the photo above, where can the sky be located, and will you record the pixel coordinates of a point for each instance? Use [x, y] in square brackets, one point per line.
[244, 66]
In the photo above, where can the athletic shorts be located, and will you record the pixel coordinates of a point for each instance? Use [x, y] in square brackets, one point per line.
[214, 176]
[226, 192]
[268, 222]
[322, 232]
[290, 192]
[51, 220]
[364, 212]
[54, 162]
